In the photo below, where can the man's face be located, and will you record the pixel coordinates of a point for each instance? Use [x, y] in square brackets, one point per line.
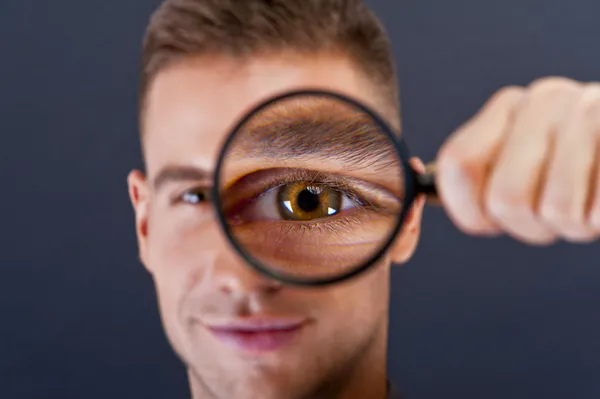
[203, 285]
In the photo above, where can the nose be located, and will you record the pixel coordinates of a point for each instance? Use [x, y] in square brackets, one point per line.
[228, 272]
[237, 278]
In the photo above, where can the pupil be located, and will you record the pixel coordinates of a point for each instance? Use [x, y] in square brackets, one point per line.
[195, 198]
[308, 201]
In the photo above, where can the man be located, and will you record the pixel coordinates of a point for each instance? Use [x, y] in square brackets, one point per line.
[525, 165]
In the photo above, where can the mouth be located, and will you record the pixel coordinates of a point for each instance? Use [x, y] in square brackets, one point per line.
[257, 334]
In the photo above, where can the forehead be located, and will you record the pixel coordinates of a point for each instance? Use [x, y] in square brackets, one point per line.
[192, 105]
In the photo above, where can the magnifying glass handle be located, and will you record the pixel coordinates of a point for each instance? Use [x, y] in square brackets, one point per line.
[426, 185]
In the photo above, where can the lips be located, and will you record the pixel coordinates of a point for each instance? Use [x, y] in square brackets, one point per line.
[257, 334]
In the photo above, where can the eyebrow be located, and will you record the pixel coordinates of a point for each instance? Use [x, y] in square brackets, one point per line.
[355, 139]
[180, 173]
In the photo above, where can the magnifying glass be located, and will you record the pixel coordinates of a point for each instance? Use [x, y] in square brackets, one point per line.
[312, 187]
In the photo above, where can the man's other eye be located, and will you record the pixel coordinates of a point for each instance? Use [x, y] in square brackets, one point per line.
[299, 201]
[196, 196]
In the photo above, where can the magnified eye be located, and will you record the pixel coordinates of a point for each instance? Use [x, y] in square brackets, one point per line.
[299, 201]
[311, 188]
[300, 195]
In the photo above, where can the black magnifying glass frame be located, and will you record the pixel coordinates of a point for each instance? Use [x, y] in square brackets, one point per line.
[415, 185]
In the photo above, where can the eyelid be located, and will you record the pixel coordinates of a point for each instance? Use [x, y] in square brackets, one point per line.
[368, 195]
[178, 195]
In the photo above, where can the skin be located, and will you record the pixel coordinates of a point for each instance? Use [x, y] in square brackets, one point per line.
[200, 279]
[525, 166]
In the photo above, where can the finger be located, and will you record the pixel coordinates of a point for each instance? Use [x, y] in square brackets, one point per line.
[463, 162]
[592, 112]
[594, 200]
[565, 197]
[511, 197]
[413, 218]
[417, 164]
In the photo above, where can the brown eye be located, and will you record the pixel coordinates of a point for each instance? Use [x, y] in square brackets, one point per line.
[305, 201]
[196, 196]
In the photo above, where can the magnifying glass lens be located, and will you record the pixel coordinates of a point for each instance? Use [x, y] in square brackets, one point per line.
[311, 188]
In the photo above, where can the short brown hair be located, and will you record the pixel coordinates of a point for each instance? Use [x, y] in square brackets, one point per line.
[182, 28]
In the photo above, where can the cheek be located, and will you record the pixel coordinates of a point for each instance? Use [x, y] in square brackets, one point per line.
[362, 303]
[178, 238]
[179, 247]
[371, 290]
[178, 255]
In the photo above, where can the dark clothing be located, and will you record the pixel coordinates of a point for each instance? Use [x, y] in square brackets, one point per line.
[392, 393]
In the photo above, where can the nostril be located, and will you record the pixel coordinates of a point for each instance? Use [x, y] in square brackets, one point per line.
[246, 287]
[226, 289]
[272, 288]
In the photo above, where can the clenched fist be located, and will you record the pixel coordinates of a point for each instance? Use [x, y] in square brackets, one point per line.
[527, 164]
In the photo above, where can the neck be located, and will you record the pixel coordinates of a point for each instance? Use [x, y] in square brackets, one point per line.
[364, 378]
[370, 383]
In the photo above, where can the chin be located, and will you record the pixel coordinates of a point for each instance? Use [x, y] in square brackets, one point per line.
[242, 381]
[265, 389]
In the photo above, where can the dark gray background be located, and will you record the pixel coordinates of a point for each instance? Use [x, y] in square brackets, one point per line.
[471, 318]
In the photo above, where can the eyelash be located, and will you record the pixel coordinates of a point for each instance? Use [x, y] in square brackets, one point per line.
[263, 181]
[331, 224]
[203, 192]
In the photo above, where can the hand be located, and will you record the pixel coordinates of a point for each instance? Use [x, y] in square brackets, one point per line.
[527, 164]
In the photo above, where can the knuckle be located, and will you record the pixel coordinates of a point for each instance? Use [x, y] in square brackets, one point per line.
[552, 85]
[450, 153]
[473, 228]
[476, 223]
[533, 234]
[507, 94]
[589, 103]
[594, 219]
[543, 241]
[592, 86]
[559, 213]
[592, 110]
[569, 222]
[504, 203]
[579, 236]
[468, 223]
[461, 162]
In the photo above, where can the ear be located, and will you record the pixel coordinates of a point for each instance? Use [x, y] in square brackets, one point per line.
[407, 241]
[139, 196]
